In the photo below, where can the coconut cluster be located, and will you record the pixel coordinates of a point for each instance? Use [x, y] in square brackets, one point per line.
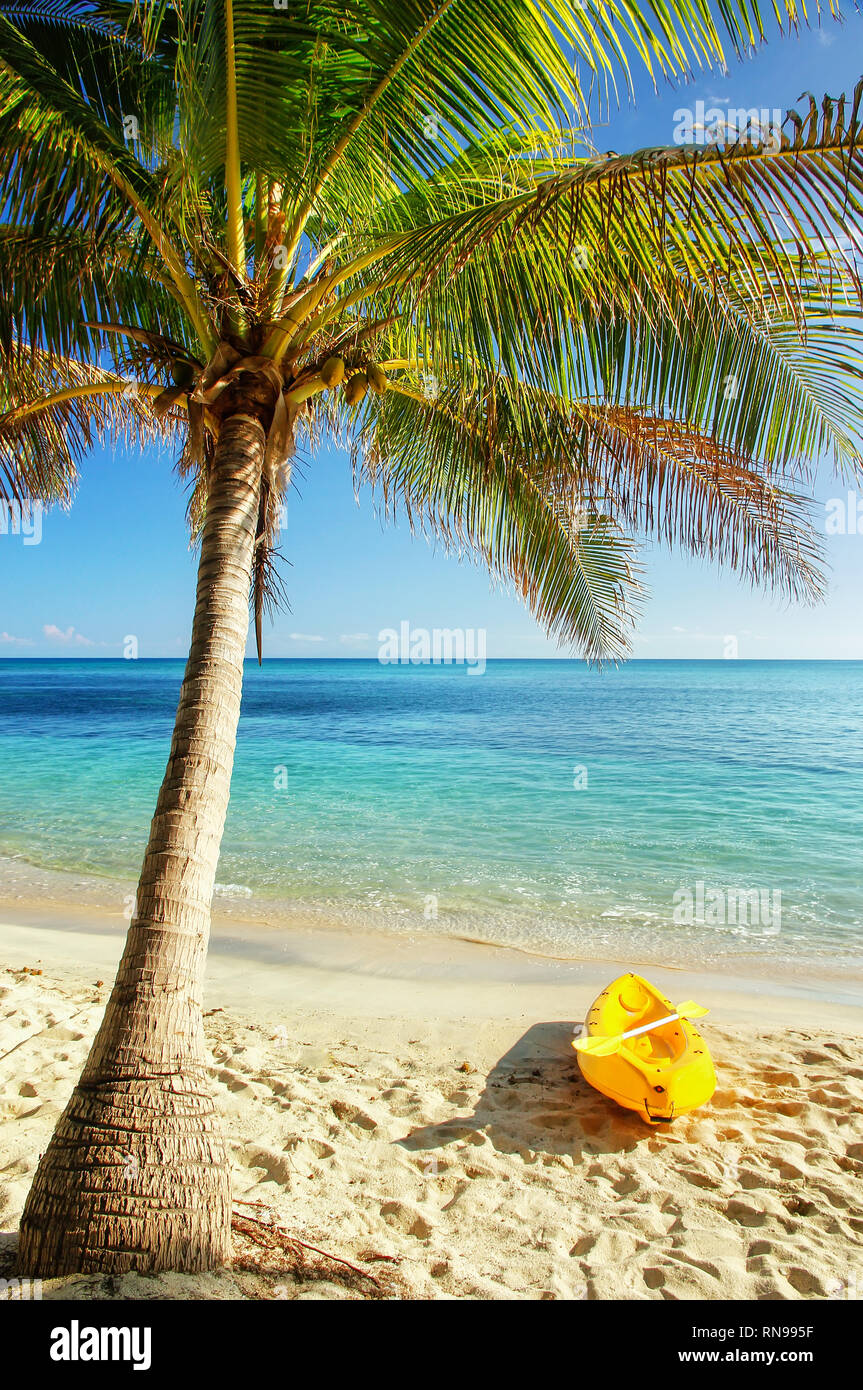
[356, 386]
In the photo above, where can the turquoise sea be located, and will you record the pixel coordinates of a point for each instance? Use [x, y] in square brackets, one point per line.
[540, 804]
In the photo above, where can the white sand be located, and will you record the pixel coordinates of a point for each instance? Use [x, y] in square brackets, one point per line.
[337, 1062]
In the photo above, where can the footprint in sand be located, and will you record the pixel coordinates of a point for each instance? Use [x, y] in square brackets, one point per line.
[804, 1282]
[239, 1084]
[745, 1213]
[624, 1186]
[64, 1034]
[555, 1119]
[406, 1218]
[352, 1115]
[834, 1098]
[277, 1166]
[475, 1171]
[792, 1136]
[318, 1147]
[790, 1108]
[784, 1078]
[798, 1206]
[782, 1165]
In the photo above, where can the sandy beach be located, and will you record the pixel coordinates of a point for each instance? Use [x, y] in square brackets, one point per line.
[431, 501]
[415, 1109]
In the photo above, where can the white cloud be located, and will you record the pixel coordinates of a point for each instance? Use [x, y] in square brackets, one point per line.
[354, 637]
[68, 638]
[16, 641]
[305, 637]
[824, 38]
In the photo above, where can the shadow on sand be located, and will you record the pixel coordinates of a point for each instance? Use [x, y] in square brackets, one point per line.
[535, 1101]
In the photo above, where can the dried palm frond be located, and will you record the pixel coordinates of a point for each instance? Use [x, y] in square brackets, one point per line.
[52, 409]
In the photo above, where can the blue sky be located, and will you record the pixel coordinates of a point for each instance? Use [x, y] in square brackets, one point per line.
[119, 563]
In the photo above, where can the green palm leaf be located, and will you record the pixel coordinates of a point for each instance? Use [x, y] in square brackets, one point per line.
[577, 573]
[626, 334]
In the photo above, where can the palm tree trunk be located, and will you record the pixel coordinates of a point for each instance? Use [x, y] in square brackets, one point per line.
[136, 1175]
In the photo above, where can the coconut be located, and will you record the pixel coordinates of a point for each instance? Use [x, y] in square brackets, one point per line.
[377, 380]
[356, 389]
[183, 373]
[333, 371]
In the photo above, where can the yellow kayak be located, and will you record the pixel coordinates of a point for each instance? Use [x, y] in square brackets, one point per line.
[661, 1071]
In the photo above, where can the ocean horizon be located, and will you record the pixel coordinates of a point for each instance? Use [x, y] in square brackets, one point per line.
[681, 811]
[531, 660]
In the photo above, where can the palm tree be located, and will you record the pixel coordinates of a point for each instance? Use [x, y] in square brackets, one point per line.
[252, 225]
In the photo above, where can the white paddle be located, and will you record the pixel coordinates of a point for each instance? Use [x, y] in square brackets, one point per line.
[604, 1044]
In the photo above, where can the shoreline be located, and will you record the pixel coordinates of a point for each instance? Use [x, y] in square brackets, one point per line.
[372, 975]
[59, 898]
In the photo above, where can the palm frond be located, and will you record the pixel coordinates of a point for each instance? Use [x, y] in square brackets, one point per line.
[628, 237]
[654, 477]
[60, 162]
[575, 570]
[52, 410]
[655, 345]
